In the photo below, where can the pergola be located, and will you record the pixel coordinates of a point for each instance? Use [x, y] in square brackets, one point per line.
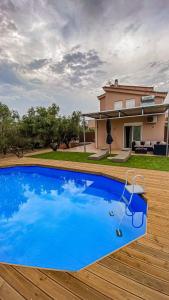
[151, 110]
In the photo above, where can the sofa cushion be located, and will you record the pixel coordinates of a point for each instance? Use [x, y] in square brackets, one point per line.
[153, 143]
[147, 144]
[137, 144]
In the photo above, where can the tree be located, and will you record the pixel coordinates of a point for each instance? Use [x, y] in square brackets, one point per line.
[7, 128]
[70, 128]
[40, 126]
[47, 120]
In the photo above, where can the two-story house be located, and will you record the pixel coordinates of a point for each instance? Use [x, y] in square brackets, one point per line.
[137, 113]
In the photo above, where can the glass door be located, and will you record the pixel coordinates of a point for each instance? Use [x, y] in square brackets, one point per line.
[127, 136]
[136, 133]
[131, 133]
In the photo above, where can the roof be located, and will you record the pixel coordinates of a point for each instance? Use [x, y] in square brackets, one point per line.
[156, 109]
[135, 87]
[135, 90]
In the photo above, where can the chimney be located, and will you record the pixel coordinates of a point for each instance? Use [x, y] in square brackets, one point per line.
[116, 83]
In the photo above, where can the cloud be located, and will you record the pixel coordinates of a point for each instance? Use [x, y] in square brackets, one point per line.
[65, 51]
[133, 27]
[6, 25]
[37, 64]
[8, 74]
[76, 66]
[83, 60]
[160, 68]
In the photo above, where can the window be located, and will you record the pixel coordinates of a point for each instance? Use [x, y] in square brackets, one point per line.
[118, 105]
[130, 103]
[148, 100]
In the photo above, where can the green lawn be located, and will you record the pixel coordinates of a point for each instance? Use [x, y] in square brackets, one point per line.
[136, 161]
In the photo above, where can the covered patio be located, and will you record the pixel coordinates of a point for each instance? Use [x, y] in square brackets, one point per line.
[128, 114]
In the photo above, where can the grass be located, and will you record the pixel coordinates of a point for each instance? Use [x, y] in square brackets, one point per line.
[136, 161]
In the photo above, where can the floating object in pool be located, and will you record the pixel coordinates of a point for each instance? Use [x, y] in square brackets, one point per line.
[119, 233]
[111, 213]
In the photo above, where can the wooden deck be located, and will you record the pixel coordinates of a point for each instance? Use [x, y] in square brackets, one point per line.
[138, 271]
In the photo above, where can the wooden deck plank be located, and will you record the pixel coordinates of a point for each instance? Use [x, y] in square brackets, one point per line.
[7, 292]
[138, 271]
[75, 285]
[154, 244]
[104, 286]
[131, 259]
[158, 239]
[151, 251]
[46, 284]
[136, 275]
[149, 259]
[21, 285]
[157, 230]
[155, 220]
[123, 282]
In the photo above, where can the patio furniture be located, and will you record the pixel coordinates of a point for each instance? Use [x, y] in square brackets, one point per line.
[99, 155]
[143, 144]
[123, 156]
[141, 150]
[160, 149]
[142, 147]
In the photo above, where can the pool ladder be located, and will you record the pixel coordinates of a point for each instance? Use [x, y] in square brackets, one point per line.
[132, 189]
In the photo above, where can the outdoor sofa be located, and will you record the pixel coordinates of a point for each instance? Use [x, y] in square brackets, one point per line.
[158, 148]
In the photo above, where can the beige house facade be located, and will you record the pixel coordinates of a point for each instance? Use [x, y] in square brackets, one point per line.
[137, 113]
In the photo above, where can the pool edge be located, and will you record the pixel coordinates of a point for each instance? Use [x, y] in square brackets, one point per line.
[48, 165]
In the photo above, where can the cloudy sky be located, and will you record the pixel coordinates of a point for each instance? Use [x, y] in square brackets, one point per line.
[65, 51]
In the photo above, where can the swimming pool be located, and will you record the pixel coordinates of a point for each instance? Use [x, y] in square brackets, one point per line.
[59, 219]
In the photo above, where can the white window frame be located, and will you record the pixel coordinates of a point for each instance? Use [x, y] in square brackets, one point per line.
[130, 101]
[120, 106]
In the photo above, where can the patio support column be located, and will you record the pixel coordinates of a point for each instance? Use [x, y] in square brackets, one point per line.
[167, 135]
[84, 134]
[96, 133]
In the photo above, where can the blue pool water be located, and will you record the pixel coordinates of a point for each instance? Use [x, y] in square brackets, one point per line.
[60, 219]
